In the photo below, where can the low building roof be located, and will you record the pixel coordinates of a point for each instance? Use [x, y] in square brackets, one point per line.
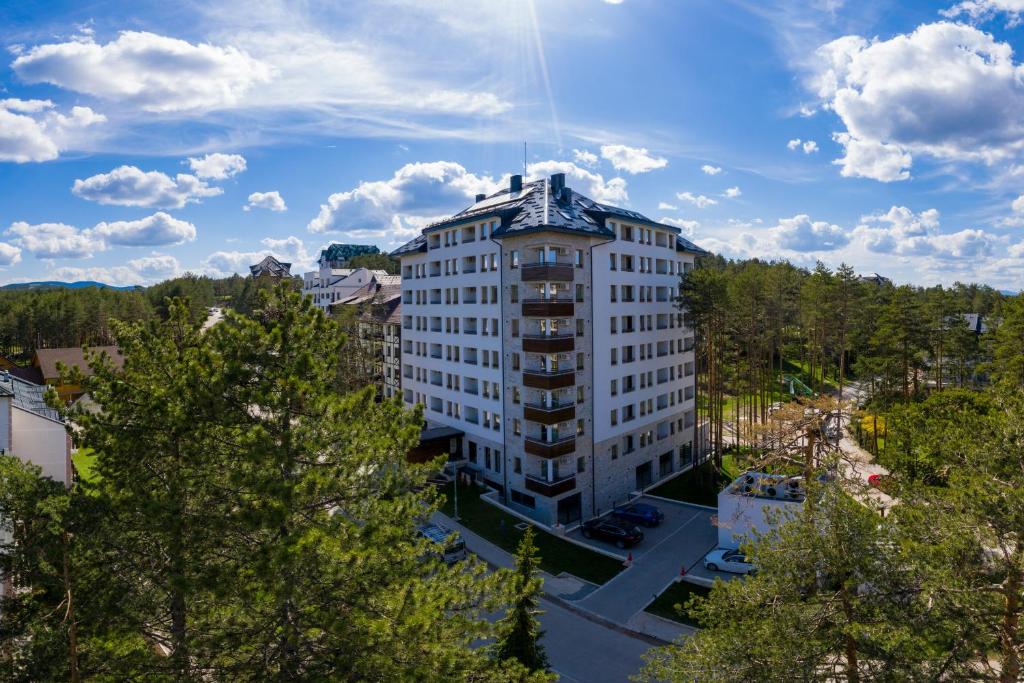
[27, 396]
[47, 359]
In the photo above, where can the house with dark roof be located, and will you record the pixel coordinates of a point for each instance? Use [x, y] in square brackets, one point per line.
[541, 324]
[270, 267]
[31, 430]
[377, 307]
[48, 361]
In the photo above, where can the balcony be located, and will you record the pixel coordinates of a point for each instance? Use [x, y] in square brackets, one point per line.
[548, 343]
[550, 449]
[549, 415]
[550, 488]
[542, 379]
[548, 308]
[547, 272]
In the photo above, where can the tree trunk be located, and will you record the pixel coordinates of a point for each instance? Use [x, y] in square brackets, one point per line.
[850, 646]
[1009, 638]
[75, 676]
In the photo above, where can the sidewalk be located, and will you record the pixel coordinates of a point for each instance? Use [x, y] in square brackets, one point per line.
[568, 590]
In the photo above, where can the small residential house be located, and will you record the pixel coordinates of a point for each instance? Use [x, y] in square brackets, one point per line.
[47, 362]
[753, 503]
[31, 430]
[335, 280]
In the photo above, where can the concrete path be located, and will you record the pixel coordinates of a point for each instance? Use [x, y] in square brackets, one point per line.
[659, 565]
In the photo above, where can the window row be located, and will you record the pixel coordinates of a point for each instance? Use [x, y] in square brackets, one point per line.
[466, 234]
[647, 294]
[488, 294]
[630, 442]
[470, 355]
[485, 327]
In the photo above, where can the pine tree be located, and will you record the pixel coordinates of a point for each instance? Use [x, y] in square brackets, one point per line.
[519, 631]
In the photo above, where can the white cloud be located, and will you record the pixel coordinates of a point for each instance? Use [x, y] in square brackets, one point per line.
[31, 130]
[156, 230]
[1018, 204]
[983, 10]
[899, 231]
[807, 112]
[266, 200]
[291, 250]
[141, 271]
[948, 91]
[632, 159]
[871, 159]
[665, 206]
[800, 233]
[54, 240]
[585, 157]
[688, 227]
[612, 191]
[613, 2]
[808, 146]
[217, 166]
[155, 73]
[130, 186]
[9, 254]
[397, 206]
[711, 170]
[699, 200]
[732, 192]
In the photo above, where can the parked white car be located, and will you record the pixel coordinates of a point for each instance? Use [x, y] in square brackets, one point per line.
[728, 560]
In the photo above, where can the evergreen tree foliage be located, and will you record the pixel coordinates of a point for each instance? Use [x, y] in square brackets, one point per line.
[519, 631]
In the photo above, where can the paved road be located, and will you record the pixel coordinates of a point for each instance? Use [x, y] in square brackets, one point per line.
[587, 652]
[659, 565]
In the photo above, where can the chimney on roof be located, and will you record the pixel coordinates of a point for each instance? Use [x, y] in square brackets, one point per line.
[557, 183]
[515, 183]
[480, 197]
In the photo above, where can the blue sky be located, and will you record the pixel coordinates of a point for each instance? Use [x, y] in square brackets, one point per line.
[141, 140]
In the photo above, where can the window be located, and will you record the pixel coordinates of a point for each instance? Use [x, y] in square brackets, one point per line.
[515, 361]
[614, 417]
[579, 427]
[581, 464]
[579, 394]
[627, 233]
[515, 327]
[523, 499]
[615, 387]
[614, 451]
[612, 264]
[515, 394]
[514, 294]
[514, 259]
[627, 444]
[497, 460]
[517, 427]
[579, 293]
[614, 298]
[615, 356]
[579, 327]
[614, 325]
[579, 361]
[487, 455]
[517, 465]
[579, 258]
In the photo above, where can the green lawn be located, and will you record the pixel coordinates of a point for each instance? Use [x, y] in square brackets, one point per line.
[670, 604]
[687, 486]
[498, 527]
[85, 461]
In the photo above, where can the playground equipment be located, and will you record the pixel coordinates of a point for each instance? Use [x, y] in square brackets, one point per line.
[796, 387]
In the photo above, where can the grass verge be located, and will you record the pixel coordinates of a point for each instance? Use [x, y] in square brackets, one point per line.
[671, 603]
[84, 461]
[498, 527]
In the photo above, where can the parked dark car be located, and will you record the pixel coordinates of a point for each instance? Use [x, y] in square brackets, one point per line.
[621, 535]
[639, 513]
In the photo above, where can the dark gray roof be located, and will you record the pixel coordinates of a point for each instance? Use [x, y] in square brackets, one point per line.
[543, 205]
[27, 396]
[683, 244]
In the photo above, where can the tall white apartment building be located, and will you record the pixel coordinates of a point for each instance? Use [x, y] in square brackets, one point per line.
[542, 324]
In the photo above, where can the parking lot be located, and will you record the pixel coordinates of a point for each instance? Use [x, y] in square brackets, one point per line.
[690, 522]
[682, 540]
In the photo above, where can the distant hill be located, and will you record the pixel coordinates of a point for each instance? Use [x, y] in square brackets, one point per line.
[67, 285]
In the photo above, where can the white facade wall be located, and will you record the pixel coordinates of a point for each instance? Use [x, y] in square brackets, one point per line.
[431, 375]
[42, 442]
[328, 285]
